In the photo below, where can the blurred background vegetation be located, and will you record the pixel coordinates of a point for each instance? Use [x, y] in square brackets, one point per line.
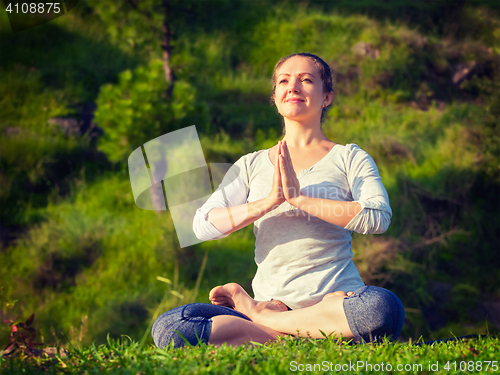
[418, 87]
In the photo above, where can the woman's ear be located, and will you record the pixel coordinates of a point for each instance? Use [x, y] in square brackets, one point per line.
[328, 98]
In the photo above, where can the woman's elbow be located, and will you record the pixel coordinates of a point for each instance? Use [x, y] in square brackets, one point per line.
[199, 235]
[381, 224]
[372, 222]
[200, 229]
[205, 231]
[205, 235]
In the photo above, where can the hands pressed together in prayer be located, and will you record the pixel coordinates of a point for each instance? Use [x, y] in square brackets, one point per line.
[286, 186]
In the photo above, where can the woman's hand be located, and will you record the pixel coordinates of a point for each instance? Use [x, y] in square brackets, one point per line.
[276, 196]
[289, 180]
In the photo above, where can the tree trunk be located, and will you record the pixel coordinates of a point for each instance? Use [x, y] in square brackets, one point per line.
[167, 48]
[157, 194]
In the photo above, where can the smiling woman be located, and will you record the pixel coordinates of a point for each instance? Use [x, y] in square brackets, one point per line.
[304, 259]
[323, 76]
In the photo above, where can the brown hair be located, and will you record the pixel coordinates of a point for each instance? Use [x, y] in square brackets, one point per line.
[323, 68]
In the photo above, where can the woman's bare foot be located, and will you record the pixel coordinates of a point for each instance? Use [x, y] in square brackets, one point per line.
[234, 296]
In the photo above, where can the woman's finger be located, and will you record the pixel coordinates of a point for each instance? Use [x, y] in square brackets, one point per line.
[283, 155]
[288, 158]
[282, 164]
[277, 158]
[276, 194]
[289, 180]
[288, 161]
[285, 175]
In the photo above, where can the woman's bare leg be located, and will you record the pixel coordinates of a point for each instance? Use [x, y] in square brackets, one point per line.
[235, 331]
[327, 316]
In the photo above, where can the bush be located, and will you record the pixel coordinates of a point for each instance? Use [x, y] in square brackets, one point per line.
[139, 109]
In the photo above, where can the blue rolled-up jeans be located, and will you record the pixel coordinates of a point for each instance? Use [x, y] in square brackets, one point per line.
[372, 313]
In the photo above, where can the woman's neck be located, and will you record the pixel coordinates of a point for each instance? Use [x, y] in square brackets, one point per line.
[303, 135]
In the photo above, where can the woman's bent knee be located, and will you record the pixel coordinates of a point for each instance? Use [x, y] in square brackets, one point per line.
[374, 313]
[188, 324]
[180, 326]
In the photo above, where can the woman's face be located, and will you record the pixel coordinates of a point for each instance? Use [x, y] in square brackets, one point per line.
[299, 92]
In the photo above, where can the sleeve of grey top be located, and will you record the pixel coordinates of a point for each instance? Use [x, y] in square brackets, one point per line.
[366, 189]
[232, 191]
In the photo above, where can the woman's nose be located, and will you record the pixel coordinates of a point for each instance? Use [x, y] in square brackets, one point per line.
[293, 86]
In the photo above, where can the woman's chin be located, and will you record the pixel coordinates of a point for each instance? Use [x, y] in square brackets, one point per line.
[300, 117]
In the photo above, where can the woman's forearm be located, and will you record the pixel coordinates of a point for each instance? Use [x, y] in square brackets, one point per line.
[229, 219]
[335, 212]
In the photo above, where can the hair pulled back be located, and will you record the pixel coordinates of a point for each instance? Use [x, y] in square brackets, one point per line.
[323, 68]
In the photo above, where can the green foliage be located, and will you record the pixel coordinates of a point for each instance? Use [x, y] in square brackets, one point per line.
[45, 72]
[132, 25]
[52, 54]
[138, 109]
[288, 31]
[222, 149]
[98, 255]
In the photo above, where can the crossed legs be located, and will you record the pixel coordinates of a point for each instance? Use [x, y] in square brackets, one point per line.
[369, 314]
[270, 319]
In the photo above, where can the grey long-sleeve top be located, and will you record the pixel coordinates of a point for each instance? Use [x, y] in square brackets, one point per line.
[300, 257]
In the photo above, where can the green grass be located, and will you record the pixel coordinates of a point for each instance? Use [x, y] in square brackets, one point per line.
[287, 355]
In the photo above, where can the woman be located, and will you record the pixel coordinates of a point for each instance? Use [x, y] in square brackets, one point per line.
[305, 196]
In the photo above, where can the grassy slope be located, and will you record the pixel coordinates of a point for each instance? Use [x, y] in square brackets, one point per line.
[423, 156]
[284, 356]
